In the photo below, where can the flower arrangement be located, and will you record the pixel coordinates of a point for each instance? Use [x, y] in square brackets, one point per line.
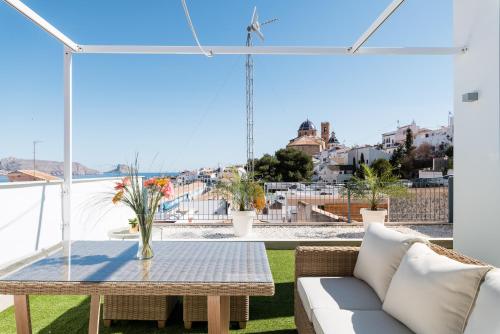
[144, 199]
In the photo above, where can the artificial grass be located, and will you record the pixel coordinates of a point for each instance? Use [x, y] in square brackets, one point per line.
[69, 314]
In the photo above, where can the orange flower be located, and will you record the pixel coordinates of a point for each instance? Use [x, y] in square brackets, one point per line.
[118, 197]
[150, 182]
[162, 182]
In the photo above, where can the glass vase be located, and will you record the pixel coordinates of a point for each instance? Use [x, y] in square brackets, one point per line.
[145, 249]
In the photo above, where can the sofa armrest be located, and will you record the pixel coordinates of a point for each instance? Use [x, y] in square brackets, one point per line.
[325, 261]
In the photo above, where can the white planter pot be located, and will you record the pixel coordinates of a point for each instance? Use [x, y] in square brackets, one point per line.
[373, 216]
[242, 222]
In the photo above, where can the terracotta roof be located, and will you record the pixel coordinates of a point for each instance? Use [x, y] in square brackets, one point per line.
[22, 174]
[305, 140]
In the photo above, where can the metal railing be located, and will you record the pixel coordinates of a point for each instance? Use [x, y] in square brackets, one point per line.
[290, 202]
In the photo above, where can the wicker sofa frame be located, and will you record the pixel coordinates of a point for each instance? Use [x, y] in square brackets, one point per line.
[338, 261]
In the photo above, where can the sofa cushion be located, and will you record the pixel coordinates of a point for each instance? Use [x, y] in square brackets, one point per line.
[431, 293]
[485, 316]
[331, 321]
[336, 293]
[379, 256]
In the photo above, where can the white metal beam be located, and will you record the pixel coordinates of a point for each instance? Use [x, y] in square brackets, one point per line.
[42, 23]
[266, 50]
[376, 24]
[68, 150]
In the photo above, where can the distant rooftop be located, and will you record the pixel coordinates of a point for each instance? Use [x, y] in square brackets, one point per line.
[30, 175]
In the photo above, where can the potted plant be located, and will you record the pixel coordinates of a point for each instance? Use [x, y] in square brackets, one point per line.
[375, 186]
[143, 198]
[244, 196]
[133, 225]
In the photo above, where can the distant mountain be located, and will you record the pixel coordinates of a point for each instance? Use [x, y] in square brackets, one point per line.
[12, 164]
[120, 169]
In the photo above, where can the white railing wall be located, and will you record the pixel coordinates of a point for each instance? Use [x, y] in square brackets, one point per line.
[30, 215]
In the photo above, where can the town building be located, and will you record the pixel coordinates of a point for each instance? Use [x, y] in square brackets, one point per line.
[307, 139]
[393, 139]
[309, 142]
[366, 155]
[332, 166]
[436, 137]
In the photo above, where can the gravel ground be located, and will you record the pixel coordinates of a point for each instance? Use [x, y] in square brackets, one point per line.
[293, 232]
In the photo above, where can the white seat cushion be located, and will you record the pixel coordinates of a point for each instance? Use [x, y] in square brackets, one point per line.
[485, 316]
[331, 321]
[431, 293]
[380, 255]
[336, 293]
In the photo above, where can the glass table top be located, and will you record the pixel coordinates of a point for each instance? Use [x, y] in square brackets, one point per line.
[173, 261]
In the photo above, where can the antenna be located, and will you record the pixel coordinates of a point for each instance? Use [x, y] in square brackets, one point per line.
[254, 27]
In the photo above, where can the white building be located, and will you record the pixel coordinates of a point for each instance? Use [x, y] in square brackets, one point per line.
[333, 166]
[437, 137]
[393, 139]
[366, 155]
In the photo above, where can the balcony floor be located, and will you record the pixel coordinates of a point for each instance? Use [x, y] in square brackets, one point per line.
[69, 314]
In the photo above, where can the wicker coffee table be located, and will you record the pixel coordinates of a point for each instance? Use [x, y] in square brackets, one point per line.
[214, 269]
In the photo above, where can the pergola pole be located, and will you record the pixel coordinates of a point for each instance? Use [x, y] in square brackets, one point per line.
[68, 150]
[393, 6]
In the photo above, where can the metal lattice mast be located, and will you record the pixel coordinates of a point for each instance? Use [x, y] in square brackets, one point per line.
[249, 108]
[254, 27]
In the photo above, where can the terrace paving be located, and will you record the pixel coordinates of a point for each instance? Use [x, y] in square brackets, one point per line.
[293, 232]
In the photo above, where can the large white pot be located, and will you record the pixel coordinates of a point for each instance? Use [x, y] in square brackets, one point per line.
[242, 222]
[373, 216]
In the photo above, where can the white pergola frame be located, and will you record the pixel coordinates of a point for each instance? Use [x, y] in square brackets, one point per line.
[70, 48]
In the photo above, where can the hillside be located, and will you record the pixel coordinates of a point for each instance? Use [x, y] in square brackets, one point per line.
[120, 169]
[11, 164]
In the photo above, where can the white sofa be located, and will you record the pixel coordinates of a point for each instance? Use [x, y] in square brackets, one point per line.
[334, 295]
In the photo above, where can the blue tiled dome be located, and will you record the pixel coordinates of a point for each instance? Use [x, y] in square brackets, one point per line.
[307, 125]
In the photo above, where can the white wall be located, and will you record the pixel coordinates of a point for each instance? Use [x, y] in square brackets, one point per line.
[477, 130]
[30, 215]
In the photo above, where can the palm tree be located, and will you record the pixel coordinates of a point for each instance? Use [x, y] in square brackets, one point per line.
[373, 187]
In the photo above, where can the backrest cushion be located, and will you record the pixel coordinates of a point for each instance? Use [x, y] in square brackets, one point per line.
[485, 316]
[379, 256]
[431, 293]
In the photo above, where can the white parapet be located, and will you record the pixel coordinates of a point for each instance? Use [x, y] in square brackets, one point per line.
[32, 217]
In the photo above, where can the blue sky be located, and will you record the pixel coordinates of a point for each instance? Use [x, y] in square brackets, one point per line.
[184, 112]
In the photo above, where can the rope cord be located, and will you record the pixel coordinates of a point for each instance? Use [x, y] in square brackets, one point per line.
[208, 53]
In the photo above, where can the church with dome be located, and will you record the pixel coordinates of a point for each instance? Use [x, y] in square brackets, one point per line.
[309, 142]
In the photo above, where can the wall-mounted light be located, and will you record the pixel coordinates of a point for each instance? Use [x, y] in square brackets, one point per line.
[470, 97]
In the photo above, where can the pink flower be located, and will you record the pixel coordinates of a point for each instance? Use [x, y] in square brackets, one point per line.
[167, 190]
[120, 185]
[126, 181]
